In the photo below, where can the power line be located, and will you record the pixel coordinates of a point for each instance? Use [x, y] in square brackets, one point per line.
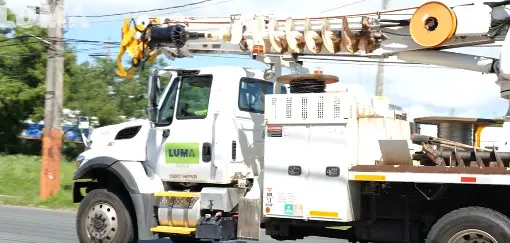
[141, 11]
[388, 12]
[56, 40]
[180, 11]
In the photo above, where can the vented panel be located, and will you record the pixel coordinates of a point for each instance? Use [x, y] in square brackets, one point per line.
[310, 108]
[128, 133]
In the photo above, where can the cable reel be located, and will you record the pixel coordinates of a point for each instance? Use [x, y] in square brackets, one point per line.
[307, 83]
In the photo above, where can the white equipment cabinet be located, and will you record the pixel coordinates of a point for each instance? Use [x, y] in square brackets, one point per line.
[310, 142]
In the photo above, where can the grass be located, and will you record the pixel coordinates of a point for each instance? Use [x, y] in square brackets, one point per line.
[20, 181]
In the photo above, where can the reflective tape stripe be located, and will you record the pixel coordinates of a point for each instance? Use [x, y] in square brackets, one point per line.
[468, 179]
[370, 177]
[323, 214]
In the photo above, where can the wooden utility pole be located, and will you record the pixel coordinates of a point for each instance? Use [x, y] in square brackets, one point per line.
[53, 105]
[379, 86]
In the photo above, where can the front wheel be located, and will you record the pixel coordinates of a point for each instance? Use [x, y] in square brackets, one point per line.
[470, 225]
[103, 217]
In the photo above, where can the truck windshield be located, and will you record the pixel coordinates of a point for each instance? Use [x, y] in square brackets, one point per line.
[251, 94]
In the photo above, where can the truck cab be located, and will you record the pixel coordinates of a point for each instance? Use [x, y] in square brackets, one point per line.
[200, 152]
[209, 126]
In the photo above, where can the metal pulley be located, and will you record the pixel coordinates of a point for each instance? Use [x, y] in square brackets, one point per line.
[433, 24]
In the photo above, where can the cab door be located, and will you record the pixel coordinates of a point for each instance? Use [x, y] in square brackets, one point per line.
[184, 129]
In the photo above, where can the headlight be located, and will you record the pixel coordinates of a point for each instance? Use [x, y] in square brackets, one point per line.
[79, 160]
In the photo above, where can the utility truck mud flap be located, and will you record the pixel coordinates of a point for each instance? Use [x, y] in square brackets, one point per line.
[249, 218]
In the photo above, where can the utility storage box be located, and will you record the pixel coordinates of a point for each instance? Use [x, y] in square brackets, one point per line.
[310, 143]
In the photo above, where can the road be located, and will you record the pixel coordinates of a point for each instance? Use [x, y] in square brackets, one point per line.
[34, 225]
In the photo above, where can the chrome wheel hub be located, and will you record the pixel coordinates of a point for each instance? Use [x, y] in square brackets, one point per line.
[472, 236]
[101, 223]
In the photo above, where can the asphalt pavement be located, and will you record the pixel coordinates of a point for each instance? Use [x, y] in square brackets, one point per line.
[35, 225]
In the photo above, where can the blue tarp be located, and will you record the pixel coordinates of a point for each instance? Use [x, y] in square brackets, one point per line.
[71, 133]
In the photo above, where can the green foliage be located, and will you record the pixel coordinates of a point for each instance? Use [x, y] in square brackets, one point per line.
[91, 87]
[22, 81]
[20, 182]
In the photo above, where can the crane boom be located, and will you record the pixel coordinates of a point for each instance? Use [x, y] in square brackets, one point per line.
[431, 28]
[432, 25]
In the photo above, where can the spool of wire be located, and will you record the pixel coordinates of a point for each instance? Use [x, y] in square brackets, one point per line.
[307, 83]
[457, 132]
[307, 86]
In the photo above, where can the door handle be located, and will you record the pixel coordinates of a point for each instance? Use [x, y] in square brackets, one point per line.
[166, 133]
[206, 152]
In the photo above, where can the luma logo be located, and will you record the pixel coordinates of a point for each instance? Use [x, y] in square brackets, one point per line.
[181, 153]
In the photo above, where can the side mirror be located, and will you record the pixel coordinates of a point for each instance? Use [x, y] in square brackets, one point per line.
[153, 93]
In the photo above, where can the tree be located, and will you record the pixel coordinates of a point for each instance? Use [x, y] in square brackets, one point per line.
[89, 93]
[91, 87]
[97, 91]
[22, 79]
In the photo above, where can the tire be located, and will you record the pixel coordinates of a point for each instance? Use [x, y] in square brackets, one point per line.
[474, 220]
[108, 207]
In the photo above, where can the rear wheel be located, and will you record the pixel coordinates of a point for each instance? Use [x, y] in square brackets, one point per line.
[471, 225]
[103, 217]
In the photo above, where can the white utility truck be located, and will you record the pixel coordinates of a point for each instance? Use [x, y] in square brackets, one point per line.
[227, 152]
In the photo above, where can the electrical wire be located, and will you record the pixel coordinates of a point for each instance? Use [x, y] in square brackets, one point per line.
[283, 20]
[54, 39]
[141, 11]
[168, 13]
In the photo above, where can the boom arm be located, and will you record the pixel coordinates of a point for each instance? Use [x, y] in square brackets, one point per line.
[432, 25]
[432, 28]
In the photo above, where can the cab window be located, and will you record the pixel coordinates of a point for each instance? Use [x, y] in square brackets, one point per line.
[166, 113]
[194, 96]
[251, 94]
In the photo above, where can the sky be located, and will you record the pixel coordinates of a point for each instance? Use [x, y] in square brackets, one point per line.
[422, 90]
